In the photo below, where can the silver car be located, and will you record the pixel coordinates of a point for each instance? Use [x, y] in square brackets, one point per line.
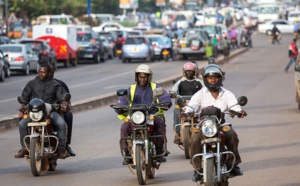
[155, 40]
[137, 47]
[21, 58]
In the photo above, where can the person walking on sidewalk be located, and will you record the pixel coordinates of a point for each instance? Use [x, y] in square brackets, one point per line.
[293, 53]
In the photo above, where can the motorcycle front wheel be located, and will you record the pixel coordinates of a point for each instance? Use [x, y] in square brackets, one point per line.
[35, 157]
[140, 164]
[187, 137]
[210, 172]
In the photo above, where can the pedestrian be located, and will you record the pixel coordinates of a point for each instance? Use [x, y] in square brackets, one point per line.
[24, 32]
[226, 50]
[293, 53]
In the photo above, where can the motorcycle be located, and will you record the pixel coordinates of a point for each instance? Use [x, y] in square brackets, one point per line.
[246, 41]
[234, 42]
[214, 152]
[166, 50]
[141, 144]
[43, 142]
[274, 38]
[186, 127]
[119, 45]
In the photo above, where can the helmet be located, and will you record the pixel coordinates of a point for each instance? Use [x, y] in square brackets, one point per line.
[211, 60]
[36, 105]
[215, 71]
[189, 66]
[143, 69]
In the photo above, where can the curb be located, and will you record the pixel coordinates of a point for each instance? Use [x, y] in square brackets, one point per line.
[102, 100]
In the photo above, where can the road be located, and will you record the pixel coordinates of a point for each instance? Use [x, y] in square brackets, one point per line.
[269, 135]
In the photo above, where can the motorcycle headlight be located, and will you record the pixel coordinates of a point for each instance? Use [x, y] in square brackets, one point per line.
[36, 116]
[209, 128]
[138, 117]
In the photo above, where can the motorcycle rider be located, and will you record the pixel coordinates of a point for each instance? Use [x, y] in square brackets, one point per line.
[36, 89]
[214, 94]
[143, 94]
[188, 85]
[68, 115]
[233, 35]
[275, 33]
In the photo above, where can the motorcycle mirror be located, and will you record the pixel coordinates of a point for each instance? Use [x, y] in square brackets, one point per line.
[158, 92]
[181, 102]
[67, 97]
[297, 68]
[242, 100]
[172, 94]
[20, 100]
[122, 92]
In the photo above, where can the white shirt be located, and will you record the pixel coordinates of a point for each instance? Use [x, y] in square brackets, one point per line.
[203, 98]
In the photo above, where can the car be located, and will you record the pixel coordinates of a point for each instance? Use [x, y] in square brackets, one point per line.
[223, 29]
[213, 30]
[135, 33]
[283, 26]
[107, 47]
[45, 53]
[155, 41]
[137, 47]
[192, 43]
[4, 67]
[90, 47]
[21, 58]
[108, 26]
[294, 16]
[112, 37]
[5, 40]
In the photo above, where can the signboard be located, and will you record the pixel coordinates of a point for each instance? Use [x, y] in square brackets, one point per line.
[126, 4]
[12, 18]
[160, 2]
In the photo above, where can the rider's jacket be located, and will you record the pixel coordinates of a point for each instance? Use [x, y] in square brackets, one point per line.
[139, 95]
[186, 87]
[48, 90]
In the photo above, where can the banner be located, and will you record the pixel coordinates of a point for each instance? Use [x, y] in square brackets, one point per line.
[160, 2]
[128, 4]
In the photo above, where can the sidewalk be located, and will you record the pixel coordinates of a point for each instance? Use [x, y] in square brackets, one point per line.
[102, 100]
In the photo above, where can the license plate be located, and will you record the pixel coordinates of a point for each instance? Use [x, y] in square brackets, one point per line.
[119, 51]
[233, 40]
[80, 48]
[36, 124]
[195, 43]
[88, 55]
[135, 49]
[183, 45]
[165, 52]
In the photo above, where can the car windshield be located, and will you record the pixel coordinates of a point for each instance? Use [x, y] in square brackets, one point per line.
[84, 37]
[209, 29]
[268, 10]
[11, 49]
[155, 39]
[135, 41]
[34, 45]
[108, 36]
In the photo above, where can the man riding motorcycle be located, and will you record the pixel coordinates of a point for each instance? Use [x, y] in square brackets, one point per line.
[44, 87]
[142, 93]
[188, 85]
[213, 94]
[275, 33]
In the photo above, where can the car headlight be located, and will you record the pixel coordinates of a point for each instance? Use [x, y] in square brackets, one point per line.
[138, 117]
[36, 116]
[209, 128]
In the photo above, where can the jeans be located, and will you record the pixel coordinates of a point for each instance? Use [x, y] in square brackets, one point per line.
[68, 116]
[292, 60]
[58, 122]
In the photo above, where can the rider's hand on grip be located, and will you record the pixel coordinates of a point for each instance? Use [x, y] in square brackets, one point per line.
[242, 114]
[64, 106]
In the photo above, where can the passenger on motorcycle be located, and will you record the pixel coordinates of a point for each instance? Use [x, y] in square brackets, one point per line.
[233, 36]
[143, 94]
[188, 85]
[66, 111]
[53, 92]
[213, 94]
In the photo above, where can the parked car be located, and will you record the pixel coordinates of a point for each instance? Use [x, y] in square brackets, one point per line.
[193, 43]
[90, 47]
[45, 53]
[107, 47]
[112, 37]
[21, 58]
[283, 25]
[137, 47]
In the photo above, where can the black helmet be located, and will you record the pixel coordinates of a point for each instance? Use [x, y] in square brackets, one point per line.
[215, 71]
[211, 60]
[36, 105]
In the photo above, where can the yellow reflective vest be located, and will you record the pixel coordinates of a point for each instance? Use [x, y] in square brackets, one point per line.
[132, 92]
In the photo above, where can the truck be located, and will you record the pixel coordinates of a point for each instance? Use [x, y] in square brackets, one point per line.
[62, 39]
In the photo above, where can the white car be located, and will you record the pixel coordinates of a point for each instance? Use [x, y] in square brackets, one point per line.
[108, 26]
[283, 26]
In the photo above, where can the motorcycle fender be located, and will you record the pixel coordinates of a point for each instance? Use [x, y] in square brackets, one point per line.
[187, 124]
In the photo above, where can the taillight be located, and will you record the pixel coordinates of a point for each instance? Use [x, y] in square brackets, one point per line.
[93, 40]
[154, 46]
[112, 44]
[21, 58]
[45, 52]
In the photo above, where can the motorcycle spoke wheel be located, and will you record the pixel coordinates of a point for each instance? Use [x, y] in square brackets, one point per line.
[140, 165]
[187, 137]
[35, 157]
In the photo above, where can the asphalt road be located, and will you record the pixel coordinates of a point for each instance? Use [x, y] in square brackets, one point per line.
[269, 135]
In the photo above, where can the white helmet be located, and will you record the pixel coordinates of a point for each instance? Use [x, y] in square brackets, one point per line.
[143, 69]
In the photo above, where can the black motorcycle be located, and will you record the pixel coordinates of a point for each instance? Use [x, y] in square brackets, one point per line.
[141, 144]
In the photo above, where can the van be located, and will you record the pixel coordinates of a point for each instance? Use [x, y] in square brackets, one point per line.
[294, 16]
[268, 12]
[179, 18]
[55, 20]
